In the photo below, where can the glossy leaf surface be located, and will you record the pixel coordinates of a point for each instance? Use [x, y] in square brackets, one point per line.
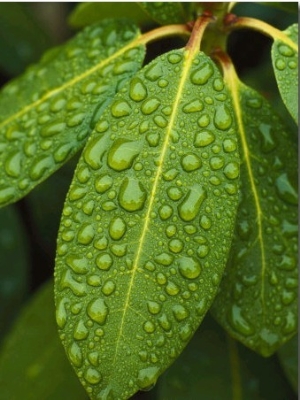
[257, 303]
[165, 12]
[88, 13]
[288, 356]
[33, 364]
[47, 114]
[14, 266]
[215, 366]
[147, 225]
[285, 64]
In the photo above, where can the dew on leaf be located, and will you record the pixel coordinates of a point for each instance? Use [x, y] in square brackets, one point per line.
[138, 90]
[117, 228]
[97, 310]
[286, 189]
[104, 261]
[13, 164]
[86, 234]
[122, 154]
[190, 206]
[204, 138]
[92, 376]
[75, 354]
[191, 162]
[150, 105]
[80, 331]
[223, 117]
[108, 288]
[79, 264]
[132, 195]
[202, 74]
[189, 267]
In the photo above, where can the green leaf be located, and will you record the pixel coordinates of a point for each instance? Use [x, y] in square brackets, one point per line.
[288, 356]
[14, 266]
[88, 13]
[257, 302]
[285, 64]
[47, 114]
[147, 225]
[22, 40]
[33, 364]
[165, 12]
[214, 366]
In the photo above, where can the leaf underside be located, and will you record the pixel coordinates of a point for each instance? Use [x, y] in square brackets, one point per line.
[147, 225]
[47, 114]
[165, 12]
[257, 303]
[285, 64]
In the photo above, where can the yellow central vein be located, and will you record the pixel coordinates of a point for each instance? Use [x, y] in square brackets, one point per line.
[234, 83]
[185, 67]
[70, 83]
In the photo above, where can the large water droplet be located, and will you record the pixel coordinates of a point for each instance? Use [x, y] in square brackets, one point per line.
[132, 195]
[239, 322]
[165, 212]
[172, 289]
[222, 117]
[117, 228]
[216, 162]
[67, 281]
[232, 170]
[86, 234]
[138, 90]
[150, 105]
[190, 206]
[103, 183]
[286, 189]
[40, 166]
[164, 322]
[13, 164]
[94, 151]
[75, 355]
[97, 310]
[193, 106]
[122, 154]
[189, 267]
[54, 128]
[80, 332]
[176, 245]
[92, 376]
[78, 263]
[153, 139]
[190, 162]
[202, 74]
[104, 261]
[154, 71]
[164, 259]
[120, 108]
[203, 138]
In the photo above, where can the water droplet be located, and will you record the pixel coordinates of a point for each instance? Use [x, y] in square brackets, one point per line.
[149, 327]
[75, 355]
[153, 139]
[160, 121]
[153, 307]
[204, 121]
[170, 174]
[94, 280]
[229, 145]
[54, 128]
[106, 394]
[268, 140]
[176, 245]
[101, 243]
[117, 228]
[120, 108]
[185, 332]
[108, 288]
[67, 281]
[97, 310]
[103, 183]
[280, 64]
[104, 261]
[204, 138]
[287, 263]
[77, 192]
[95, 150]
[119, 250]
[165, 212]
[190, 206]
[174, 58]
[80, 332]
[147, 377]
[154, 71]
[203, 250]
[83, 174]
[92, 376]
[78, 263]
[122, 154]
[232, 170]
[150, 105]
[286, 189]
[62, 152]
[171, 230]
[286, 51]
[216, 162]
[13, 164]
[191, 162]
[86, 234]
[239, 322]
[254, 103]
[132, 195]
[174, 193]
[180, 312]
[189, 267]
[172, 289]
[201, 307]
[218, 84]
[202, 74]
[164, 322]
[61, 314]
[222, 117]
[164, 259]
[193, 106]
[138, 90]
[40, 166]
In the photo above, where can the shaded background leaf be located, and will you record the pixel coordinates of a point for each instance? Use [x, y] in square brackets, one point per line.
[166, 12]
[285, 64]
[33, 364]
[213, 366]
[257, 302]
[59, 101]
[288, 356]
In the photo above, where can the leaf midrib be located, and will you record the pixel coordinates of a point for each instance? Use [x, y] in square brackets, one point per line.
[72, 82]
[186, 65]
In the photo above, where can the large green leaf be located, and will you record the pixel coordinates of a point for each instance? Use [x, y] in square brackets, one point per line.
[90, 12]
[285, 64]
[33, 364]
[14, 266]
[257, 303]
[214, 366]
[288, 356]
[165, 12]
[47, 114]
[147, 225]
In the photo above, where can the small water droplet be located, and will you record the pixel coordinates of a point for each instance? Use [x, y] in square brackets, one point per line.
[103, 183]
[191, 204]
[61, 314]
[119, 250]
[170, 174]
[204, 138]
[104, 261]
[54, 128]
[153, 307]
[176, 245]
[286, 189]
[62, 152]
[122, 154]
[287, 263]
[132, 195]
[80, 332]
[171, 230]
[147, 377]
[94, 280]
[120, 108]
[95, 150]
[165, 212]
[117, 228]
[164, 322]
[232, 170]
[160, 121]
[97, 310]
[229, 145]
[86, 234]
[150, 105]
[154, 71]
[138, 90]
[193, 106]
[180, 312]
[216, 162]
[189, 267]
[75, 354]
[174, 58]
[280, 64]
[153, 139]
[164, 259]
[190, 162]
[79, 264]
[92, 376]
[67, 281]
[13, 164]
[108, 288]
[172, 289]
[239, 322]
[185, 332]
[204, 121]
[222, 117]
[202, 74]
[77, 192]
[149, 327]
[174, 193]
[286, 51]
[203, 250]
[40, 166]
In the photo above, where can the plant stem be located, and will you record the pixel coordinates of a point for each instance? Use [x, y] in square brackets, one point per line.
[165, 31]
[234, 22]
[199, 27]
